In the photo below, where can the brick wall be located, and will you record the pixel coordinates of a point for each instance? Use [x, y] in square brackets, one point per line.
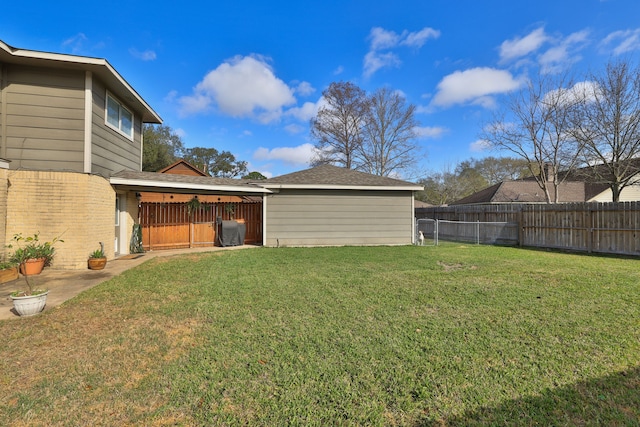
[78, 208]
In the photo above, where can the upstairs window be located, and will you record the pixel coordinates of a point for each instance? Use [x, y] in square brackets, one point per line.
[118, 117]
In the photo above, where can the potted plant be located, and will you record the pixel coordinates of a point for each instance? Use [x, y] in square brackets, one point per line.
[97, 259]
[31, 301]
[33, 255]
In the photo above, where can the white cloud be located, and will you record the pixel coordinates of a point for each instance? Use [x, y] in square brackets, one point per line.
[563, 54]
[479, 145]
[76, 43]
[383, 39]
[240, 87]
[305, 89]
[474, 86]
[294, 129]
[300, 155]
[585, 90]
[622, 41]
[180, 132]
[430, 132]
[306, 112]
[418, 39]
[373, 61]
[519, 47]
[147, 55]
[382, 42]
[338, 70]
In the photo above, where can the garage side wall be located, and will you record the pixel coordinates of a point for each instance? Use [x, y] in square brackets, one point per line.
[338, 217]
[79, 208]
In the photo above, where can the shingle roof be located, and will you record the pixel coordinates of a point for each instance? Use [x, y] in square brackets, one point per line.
[329, 175]
[529, 192]
[320, 177]
[153, 181]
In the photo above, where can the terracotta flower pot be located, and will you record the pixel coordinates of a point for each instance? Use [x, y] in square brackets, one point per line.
[32, 266]
[97, 263]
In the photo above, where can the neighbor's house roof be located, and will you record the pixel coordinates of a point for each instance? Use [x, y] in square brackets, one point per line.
[160, 182]
[98, 66]
[527, 191]
[329, 177]
[182, 167]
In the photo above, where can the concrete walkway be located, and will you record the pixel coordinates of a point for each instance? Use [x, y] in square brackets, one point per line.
[65, 284]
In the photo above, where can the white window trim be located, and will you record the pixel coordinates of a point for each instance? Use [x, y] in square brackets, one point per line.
[121, 105]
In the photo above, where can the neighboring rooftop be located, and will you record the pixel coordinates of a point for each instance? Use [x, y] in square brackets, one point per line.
[334, 176]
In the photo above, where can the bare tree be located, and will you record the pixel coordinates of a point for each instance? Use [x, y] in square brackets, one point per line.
[338, 126]
[535, 127]
[389, 132]
[607, 122]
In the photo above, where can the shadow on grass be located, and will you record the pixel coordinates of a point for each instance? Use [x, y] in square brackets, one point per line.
[613, 400]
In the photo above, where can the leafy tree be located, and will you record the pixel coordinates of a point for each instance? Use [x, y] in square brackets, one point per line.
[536, 127]
[446, 186]
[254, 175]
[495, 169]
[389, 132]
[161, 147]
[338, 125]
[607, 123]
[217, 164]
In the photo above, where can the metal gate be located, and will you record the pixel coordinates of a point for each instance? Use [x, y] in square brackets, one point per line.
[426, 232]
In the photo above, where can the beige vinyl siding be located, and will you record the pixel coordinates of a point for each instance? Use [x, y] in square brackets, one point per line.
[111, 151]
[628, 194]
[338, 217]
[44, 118]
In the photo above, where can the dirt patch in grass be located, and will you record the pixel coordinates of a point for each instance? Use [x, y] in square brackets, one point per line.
[455, 266]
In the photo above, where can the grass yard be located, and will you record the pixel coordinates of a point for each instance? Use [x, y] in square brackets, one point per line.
[416, 336]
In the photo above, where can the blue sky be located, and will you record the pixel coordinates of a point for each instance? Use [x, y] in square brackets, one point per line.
[246, 76]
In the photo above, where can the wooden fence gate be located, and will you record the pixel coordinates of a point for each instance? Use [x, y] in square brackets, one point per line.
[175, 225]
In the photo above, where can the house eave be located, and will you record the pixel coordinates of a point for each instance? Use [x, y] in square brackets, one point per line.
[98, 66]
[342, 187]
[180, 187]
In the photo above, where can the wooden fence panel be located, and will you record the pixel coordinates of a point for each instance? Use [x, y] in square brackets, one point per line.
[175, 226]
[591, 227]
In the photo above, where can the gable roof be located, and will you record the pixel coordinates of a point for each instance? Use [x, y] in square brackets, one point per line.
[333, 177]
[182, 167]
[98, 66]
[526, 191]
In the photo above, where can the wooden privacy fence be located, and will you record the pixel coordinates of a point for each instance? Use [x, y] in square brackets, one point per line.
[612, 228]
[175, 226]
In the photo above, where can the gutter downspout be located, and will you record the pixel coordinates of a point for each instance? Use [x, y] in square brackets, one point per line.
[88, 116]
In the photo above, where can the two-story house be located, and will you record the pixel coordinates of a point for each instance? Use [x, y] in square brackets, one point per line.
[71, 148]
[67, 123]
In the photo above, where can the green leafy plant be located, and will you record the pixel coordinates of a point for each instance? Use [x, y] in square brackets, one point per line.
[230, 209]
[32, 248]
[5, 265]
[98, 253]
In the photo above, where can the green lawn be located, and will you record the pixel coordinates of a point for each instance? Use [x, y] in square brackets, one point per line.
[419, 336]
